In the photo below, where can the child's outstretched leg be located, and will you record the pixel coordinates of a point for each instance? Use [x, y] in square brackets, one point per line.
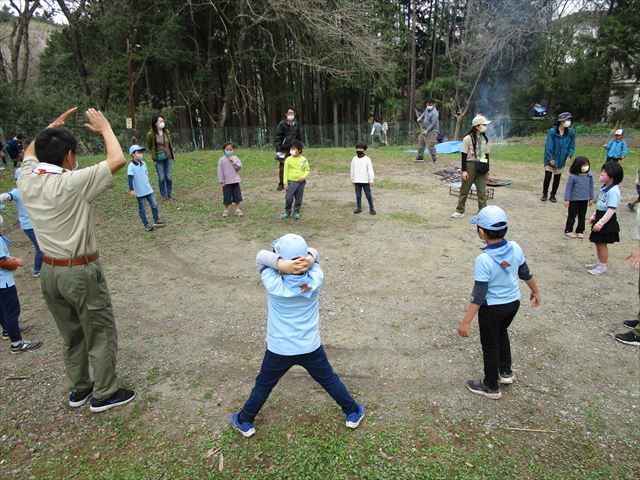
[318, 366]
[602, 252]
[273, 367]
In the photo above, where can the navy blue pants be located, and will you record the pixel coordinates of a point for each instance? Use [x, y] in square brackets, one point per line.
[367, 193]
[37, 260]
[142, 210]
[273, 368]
[10, 312]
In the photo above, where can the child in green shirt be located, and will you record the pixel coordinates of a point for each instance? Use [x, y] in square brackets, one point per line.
[296, 171]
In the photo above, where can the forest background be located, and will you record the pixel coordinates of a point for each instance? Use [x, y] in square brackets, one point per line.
[220, 69]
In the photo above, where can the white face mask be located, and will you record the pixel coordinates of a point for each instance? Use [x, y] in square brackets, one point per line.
[137, 156]
[482, 128]
[293, 152]
[429, 107]
[291, 117]
[567, 123]
[161, 125]
[585, 168]
[482, 240]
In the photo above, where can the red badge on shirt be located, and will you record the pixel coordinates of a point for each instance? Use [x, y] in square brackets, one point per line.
[304, 287]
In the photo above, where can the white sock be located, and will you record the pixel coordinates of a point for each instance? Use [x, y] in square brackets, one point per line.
[15, 344]
[603, 266]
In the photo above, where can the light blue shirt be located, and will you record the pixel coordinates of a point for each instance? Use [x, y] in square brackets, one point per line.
[502, 280]
[293, 324]
[6, 276]
[616, 149]
[23, 216]
[140, 176]
[609, 197]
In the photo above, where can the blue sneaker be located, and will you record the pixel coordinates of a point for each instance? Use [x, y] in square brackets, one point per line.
[354, 419]
[245, 428]
[296, 216]
[284, 216]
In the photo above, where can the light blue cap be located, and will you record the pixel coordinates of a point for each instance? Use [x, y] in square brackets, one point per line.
[491, 218]
[290, 246]
[136, 148]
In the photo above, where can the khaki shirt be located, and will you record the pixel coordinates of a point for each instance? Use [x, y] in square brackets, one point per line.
[59, 205]
[467, 147]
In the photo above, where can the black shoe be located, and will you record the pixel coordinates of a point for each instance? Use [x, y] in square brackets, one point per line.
[280, 187]
[418, 159]
[626, 323]
[552, 198]
[543, 198]
[372, 211]
[121, 397]
[478, 386]
[25, 346]
[357, 210]
[148, 227]
[77, 399]
[505, 377]
[24, 329]
[628, 338]
[158, 223]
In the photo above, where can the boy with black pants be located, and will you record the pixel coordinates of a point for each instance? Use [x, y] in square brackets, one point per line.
[496, 299]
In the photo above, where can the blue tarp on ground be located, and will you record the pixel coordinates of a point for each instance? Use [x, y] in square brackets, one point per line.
[453, 146]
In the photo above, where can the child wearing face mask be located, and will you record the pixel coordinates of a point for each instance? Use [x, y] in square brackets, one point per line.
[604, 224]
[578, 193]
[140, 188]
[296, 171]
[362, 177]
[228, 167]
[496, 299]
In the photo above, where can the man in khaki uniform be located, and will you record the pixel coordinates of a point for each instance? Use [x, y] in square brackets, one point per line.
[58, 198]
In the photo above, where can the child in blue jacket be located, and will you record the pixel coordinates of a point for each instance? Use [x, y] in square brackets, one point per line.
[293, 278]
[578, 194]
[616, 148]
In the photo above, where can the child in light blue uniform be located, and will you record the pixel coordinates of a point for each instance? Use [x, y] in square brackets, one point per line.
[140, 188]
[9, 301]
[293, 279]
[496, 299]
[25, 224]
[604, 221]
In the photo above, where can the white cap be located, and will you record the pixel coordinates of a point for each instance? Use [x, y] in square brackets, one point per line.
[620, 131]
[480, 120]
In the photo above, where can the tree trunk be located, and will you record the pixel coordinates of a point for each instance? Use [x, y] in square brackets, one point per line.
[336, 141]
[412, 75]
[433, 41]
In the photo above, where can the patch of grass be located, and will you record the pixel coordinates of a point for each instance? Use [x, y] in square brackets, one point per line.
[412, 218]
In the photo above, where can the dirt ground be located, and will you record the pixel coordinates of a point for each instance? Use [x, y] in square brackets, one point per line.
[191, 314]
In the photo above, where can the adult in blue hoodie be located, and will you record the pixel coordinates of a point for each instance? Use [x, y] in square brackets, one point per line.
[559, 149]
[292, 276]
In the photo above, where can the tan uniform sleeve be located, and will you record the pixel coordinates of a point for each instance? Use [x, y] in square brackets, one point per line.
[466, 144]
[91, 181]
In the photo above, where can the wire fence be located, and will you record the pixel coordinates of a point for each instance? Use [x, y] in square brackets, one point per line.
[332, 135]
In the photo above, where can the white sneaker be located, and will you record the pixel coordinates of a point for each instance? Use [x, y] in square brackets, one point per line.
[591, 265]
[598, 270]
[457, 215]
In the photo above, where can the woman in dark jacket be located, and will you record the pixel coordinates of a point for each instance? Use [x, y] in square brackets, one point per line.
[561, 143]
[288, 131]
[160, 148]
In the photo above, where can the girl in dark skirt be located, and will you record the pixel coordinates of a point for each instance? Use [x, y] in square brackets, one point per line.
[604, 225]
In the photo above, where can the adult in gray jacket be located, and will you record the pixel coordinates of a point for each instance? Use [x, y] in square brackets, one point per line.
[430, 119]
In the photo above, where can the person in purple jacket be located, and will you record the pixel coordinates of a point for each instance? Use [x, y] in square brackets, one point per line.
[578, 194]
[228, 167]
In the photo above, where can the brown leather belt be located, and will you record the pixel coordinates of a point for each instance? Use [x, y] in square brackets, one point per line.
[70, 262]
